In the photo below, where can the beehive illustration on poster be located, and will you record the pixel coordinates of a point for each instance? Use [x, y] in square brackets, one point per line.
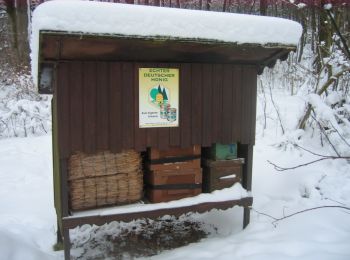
[158, 97]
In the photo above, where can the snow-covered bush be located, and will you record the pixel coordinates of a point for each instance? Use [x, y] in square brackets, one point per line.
[23, 112]
[323, 97]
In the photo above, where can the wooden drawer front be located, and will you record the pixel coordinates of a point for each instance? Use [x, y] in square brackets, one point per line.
[186, 176]
[155, 154]
[216, 178]
[164, 195]
[192, 164]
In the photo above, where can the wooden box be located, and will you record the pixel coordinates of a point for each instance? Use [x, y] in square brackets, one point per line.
[221, 151]
[182, 165]
[155, 154]
[168, 193]
[185, 176]
[221, 174]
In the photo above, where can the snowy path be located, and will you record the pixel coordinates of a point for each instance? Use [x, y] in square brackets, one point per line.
[27, 217]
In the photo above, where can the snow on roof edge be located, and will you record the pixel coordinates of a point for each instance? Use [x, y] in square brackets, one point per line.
[149, 21]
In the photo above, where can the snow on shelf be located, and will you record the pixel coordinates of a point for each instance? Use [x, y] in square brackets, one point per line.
[235, 192]
[148, 21]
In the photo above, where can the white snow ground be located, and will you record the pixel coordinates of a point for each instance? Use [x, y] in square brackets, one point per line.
[27, 217]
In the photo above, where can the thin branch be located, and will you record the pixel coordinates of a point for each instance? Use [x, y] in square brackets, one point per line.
[317, 154]
[275, 220]
[279, 168]
[340, 135]
[277, 111]
[264, 214]
[325, 134]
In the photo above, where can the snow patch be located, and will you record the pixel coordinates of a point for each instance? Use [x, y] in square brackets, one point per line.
[148, 21]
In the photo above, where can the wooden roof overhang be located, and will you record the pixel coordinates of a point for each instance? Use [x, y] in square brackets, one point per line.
[57, 46]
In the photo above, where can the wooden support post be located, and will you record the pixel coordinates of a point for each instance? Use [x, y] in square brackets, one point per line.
[246, 151]
[246, 217]
[65, 207]
[64, 187]
[67, 245]
[59, 234]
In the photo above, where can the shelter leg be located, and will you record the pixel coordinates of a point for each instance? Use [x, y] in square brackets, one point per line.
[59, 234]
[246, 217]
[66, 243]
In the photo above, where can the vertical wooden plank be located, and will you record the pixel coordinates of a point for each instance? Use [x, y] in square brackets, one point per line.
[217, 102]
[140, 133]
[163, 132]
[207, 104]
[102, 106]
[63, 108]
[89, 106]
[174, 132]
[128, 108]
[151, 133]
[227, 105]
[236, 99]
[253, 94]
[196, 109]
[245, 133]
[115, 101]
[185, 104]
[76, 106]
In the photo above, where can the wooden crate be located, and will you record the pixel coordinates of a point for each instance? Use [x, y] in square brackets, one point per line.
[221, 151]
[174, 152]
[186, 176]
[185, 165]
[156, 195]
[221, 174]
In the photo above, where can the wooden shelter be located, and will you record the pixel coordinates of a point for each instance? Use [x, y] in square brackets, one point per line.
[94, 80]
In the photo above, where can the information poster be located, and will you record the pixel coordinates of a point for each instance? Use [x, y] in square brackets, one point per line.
[158, 97]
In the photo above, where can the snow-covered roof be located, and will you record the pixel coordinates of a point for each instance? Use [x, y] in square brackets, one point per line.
[147, 21]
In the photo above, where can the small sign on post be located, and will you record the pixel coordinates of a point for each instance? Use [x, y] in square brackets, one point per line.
[158, 97]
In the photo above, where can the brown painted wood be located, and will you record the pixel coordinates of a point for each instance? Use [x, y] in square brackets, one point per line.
[76, 107]
[227, 105]
[237, 102]
[196, 104]
[115, 100]
[98, 107]
[253, 93]
[140, 133]
[207, 78]
[72, 222]
[185, 104]
[89, 105]
[128, 108]
[217, 103]
[102, 106]
[244, 138]
[174, 132]
[63, 110]
[163, 132]
[93, 47]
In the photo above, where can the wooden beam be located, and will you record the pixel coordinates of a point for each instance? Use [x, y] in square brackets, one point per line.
[72, 222]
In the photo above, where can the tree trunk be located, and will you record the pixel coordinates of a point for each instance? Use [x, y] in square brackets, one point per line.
[263, 7]
[208, 5]
[17, 11]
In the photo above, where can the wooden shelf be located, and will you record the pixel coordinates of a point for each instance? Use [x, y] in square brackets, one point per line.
[100, 219]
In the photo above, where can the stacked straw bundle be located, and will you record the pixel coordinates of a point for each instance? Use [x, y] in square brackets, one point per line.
[104, 178]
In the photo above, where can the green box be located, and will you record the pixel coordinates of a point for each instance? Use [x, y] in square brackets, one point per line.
[223, 151]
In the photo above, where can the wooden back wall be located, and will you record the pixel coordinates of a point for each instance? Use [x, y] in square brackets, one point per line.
[97, 106]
